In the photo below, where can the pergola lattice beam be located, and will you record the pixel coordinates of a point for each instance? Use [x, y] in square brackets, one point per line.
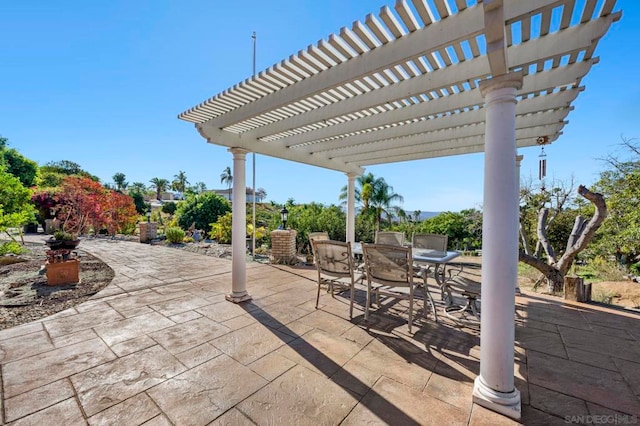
[468, 23]
[532, 83]
[404, 76]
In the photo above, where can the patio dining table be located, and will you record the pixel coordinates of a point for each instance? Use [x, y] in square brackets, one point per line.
[437, 258]
[467, 313]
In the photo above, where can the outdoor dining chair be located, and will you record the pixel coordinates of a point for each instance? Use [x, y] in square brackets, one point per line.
[334, 263]
[321, 235]
[436, 242]
[430, 241]
[389, 272]
[467, 313]
[389, 237]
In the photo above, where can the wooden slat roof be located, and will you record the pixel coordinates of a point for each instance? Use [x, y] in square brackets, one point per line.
[403, 84]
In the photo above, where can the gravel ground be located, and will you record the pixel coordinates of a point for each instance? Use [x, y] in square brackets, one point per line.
[25, 295]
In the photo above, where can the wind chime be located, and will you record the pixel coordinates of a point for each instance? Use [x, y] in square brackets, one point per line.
[542, 162]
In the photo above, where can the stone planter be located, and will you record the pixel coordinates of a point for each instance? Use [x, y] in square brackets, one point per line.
[48, 226]
[148, 231]
[66, 272]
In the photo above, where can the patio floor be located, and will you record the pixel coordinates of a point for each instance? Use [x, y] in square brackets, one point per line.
[160, 345]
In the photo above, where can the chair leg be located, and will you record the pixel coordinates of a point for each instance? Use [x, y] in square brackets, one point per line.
[410, 310]
[318, 295]
[433, 305]
[427, 295]
[368, 302]
[353, 286]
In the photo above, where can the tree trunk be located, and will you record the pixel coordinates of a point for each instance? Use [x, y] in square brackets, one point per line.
[588, 230]
[578, 227]
[554, 277]
[542, 235]
[524, 239]
[582, 233]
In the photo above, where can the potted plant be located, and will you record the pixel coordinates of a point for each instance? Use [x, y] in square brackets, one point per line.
[63, 240]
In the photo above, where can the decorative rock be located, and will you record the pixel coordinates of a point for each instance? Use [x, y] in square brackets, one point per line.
[10, 259]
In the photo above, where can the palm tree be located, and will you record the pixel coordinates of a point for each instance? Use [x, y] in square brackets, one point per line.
[138, 187]
[261, 194]
[180, 182]
[119, 180]
[160, 185]
[227, 178]
[363, 190]
[200, 186]
[374, 195]
[416, 215]
[401, 214]
[382, 199]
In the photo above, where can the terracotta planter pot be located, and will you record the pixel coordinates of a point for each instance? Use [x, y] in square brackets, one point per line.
[66, 272]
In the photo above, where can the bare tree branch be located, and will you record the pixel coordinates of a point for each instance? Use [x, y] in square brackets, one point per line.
[524, 239]
[589, 229]
[629, 144]
[542, 236]
[618, 164]
[578, 227]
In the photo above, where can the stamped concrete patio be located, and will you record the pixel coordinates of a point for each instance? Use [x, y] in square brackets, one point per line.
[160, 346]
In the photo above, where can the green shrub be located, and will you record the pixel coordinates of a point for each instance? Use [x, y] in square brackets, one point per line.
[142, 207]
[201, 210]
[306, 218]
[601, 269]
[174, 235]
[169, 208]
[221, 230]
[365, 227]
[11, 247]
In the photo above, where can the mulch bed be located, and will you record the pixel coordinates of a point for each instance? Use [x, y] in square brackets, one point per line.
[25, 295]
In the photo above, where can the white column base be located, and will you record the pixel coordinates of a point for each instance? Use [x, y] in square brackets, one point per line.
[238, 297]
[507, 404]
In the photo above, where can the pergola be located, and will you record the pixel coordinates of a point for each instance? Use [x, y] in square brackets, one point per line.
[422, 79]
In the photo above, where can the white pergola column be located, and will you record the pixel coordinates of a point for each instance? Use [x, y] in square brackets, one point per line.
[351, 207]
[239, 229]
[494, 387]
[518, 163]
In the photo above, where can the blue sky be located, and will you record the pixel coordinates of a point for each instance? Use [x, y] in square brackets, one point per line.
[101, 84]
